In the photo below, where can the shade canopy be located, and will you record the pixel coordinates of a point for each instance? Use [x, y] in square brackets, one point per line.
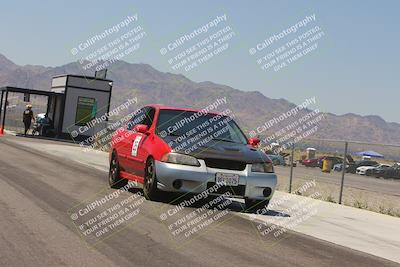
[369, 153]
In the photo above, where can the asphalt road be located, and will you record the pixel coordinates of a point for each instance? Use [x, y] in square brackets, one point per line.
[37, 191]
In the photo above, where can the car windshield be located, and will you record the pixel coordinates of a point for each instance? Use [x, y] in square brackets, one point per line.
[191, 124]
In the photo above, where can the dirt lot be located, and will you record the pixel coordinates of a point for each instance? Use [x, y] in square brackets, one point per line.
[379, 195]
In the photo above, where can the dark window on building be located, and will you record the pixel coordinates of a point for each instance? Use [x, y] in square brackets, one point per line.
[86, 110]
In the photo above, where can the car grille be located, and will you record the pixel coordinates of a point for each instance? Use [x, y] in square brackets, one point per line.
[238, 190]
[225, 164]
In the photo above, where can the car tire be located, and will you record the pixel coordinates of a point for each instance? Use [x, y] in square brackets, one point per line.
[150, 189]
[368, 173]
[114, 178]
[254, 205]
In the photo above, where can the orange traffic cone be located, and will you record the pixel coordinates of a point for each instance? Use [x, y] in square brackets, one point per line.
[1, 131]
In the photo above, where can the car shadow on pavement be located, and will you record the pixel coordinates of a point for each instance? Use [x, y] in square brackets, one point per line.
[236, 205]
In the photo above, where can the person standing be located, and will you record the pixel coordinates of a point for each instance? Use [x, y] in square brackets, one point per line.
[27, 118]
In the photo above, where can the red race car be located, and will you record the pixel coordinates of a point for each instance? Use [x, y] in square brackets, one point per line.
[185, 150]
[312, 162]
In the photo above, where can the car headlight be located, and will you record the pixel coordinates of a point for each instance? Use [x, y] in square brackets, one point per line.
[262, 167]
[180, 159]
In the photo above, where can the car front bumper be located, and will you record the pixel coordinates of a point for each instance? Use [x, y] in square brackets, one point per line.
[193, 179]
[361, 172]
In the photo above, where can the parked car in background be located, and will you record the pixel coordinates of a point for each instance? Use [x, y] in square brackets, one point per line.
[338, 167]
[392, 172]
[311, 162]
[352, 168]
[318, 162]
[379, 171]
[367, 170]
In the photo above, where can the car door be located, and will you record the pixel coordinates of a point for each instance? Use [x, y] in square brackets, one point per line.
[397, 174]
[138, 151]
[126, 136]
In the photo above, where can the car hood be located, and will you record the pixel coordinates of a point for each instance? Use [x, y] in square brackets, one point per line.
[363, 168]
[219, 150]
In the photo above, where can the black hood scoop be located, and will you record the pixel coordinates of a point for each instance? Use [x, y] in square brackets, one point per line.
[216, 149]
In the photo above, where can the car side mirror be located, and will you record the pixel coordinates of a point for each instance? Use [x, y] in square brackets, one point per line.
[141, 128]
[254, 141]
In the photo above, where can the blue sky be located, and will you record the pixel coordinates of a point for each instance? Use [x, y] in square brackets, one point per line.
[355, 68]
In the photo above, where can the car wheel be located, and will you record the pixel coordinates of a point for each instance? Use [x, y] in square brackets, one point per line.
[114, 178]
[150, 180]
[368, 173]
[254, 205]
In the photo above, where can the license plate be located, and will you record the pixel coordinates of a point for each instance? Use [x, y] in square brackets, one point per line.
[227, 179]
